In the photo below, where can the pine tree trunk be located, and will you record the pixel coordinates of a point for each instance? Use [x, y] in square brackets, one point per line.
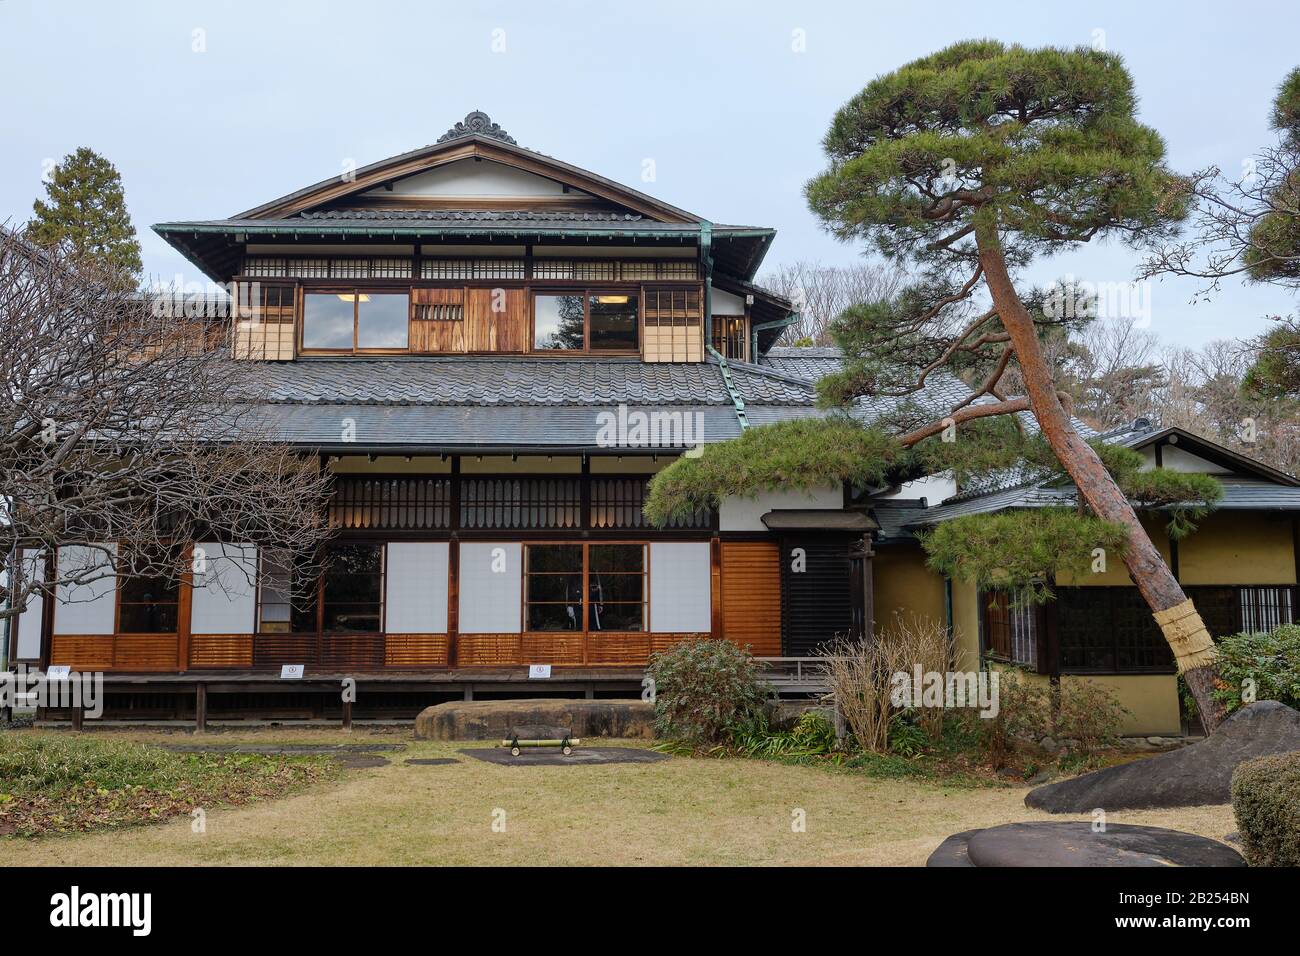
[1177, 618]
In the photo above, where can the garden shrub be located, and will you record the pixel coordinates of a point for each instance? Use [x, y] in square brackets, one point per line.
[860, 674]
[1266, 803]
[812, 735]
[704, 689]
[1024, 714]
[1271, 661]
[1089, 713]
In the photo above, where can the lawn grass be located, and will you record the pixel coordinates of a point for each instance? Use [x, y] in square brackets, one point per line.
[679, 811]
[62, 783]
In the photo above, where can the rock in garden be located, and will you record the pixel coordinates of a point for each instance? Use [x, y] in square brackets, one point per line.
[1077, 844]
[495, 719]
[1190, 776]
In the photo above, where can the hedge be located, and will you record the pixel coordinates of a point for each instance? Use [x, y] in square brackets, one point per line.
[1266, 802]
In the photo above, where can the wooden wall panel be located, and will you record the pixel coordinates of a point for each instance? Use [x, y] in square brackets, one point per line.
[751, 596]
[146, 652]
[619, 647]
[221, 650]
[488, 650]
[415, 650]
[551, 647]
[440, 335]
[503, 330]
[89, 653]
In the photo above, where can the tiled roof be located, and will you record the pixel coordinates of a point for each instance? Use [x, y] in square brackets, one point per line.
[501, 381]
[1238, 494]
[503, 428]
[469, 215]
[810, 363]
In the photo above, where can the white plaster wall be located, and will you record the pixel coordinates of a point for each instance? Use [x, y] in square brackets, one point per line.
[473, 178]
[746, 514]
[724, 303]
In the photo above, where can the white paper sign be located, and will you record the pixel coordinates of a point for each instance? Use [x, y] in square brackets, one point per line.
[539, 671]
[292, 671]
[59, 671]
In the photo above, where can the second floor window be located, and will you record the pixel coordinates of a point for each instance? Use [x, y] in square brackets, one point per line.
[588, 321]
[355, 321]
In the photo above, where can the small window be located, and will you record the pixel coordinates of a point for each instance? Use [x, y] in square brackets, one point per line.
[286, 595]
[353, 591]
[599, 321]
[616, 587]
[613, 321]
[558, 322]
[327, 320]
[1011, 629]
[146, 604]
[553, 587]
[355, 321]
[382, 321]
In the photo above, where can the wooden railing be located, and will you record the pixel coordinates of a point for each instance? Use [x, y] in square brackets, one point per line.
[478, 502]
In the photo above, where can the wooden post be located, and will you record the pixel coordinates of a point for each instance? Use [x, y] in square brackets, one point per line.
[347, 715]
[77, 715]
[200, 708]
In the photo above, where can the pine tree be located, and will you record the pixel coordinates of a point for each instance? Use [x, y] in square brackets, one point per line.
[84, 211]
[965, 166]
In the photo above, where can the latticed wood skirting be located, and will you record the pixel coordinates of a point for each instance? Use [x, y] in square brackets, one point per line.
[122, 652]
[341, 652]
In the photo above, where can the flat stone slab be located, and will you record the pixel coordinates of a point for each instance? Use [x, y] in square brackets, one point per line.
[1196, 775]
[1074, 843]
[361, 761]
[552, 757]
[495, 719]
[429, 761]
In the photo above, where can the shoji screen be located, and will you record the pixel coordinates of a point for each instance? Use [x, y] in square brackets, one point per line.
[29, 621]
[680, 587]
[225, 598]
[491, 588]
[89, 608]
[416, 598]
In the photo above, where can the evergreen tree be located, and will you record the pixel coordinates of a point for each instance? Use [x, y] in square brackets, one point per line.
[965, 166]
[84, 212]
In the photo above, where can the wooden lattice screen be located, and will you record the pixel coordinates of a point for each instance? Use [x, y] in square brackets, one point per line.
[674, 325]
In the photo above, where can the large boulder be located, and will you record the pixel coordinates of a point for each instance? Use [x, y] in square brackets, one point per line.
[497, 719]
[1193, 776]
[1076, 843]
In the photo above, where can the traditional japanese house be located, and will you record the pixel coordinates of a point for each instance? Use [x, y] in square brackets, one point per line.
[492, 351]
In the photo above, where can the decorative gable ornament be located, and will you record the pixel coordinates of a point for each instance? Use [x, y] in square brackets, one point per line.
[480, 124]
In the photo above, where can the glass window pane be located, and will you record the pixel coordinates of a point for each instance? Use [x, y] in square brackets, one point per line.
[555, 587]
[614, 321]
[615, 617]
[616, 587]
[554, 557]
[382, 321]
[327, 321]
[354, 588]
[618, 557]
[147, 619]
[554, 617]
[557, 322]
[352, 617]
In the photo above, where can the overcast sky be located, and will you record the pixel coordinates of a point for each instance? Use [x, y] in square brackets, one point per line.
[209, 108]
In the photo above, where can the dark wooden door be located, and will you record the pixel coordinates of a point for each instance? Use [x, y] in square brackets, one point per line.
[817, 592]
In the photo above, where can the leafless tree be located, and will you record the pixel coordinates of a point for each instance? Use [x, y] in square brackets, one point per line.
[821, 292]
[124, 434]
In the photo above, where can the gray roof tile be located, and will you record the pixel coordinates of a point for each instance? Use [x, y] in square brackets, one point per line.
[468, 215]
